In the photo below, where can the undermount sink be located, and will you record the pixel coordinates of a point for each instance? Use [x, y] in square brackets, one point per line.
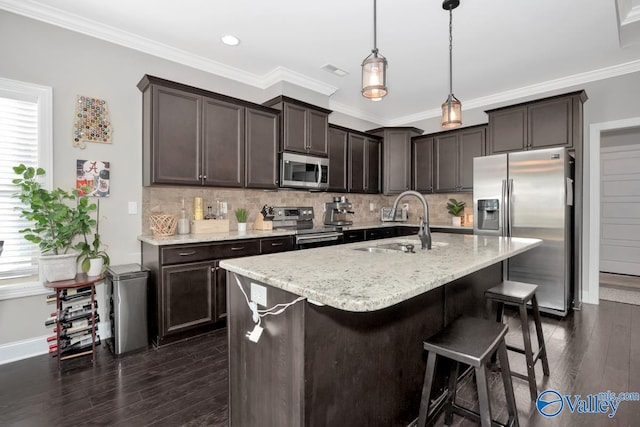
[407, 247]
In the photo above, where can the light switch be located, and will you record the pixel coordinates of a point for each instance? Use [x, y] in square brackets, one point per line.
[132, 208]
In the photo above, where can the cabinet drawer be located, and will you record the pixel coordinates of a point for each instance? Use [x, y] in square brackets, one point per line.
[352, 236]
[236, 248]
[272, 245]
[209, 251]
[380, 233]
[184, 254]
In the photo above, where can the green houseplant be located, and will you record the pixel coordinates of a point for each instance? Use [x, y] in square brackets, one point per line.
[93, 259]
[455, 209]
[242, 215]
[57, 217]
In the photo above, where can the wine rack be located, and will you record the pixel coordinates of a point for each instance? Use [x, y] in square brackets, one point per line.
[75, 319]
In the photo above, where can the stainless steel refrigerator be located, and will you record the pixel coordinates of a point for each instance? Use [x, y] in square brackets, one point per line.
[530, 194]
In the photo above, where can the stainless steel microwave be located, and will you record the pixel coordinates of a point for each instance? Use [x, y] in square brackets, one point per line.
[300, 171]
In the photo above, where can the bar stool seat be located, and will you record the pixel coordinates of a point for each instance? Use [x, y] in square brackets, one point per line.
[519, 294]
[473, 342]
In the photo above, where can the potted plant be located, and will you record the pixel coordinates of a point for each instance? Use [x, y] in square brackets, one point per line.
[455, 208]
[93, 260]
[57, 217]
[241, 215]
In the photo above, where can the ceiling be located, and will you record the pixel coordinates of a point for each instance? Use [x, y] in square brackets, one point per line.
[502, 50]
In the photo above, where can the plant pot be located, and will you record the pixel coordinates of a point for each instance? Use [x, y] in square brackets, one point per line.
[59, 267]
[95, 266]
[456, 221]
[242, 227]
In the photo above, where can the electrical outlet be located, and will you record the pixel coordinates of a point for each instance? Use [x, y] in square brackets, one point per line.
[372, 207]
[259, 294]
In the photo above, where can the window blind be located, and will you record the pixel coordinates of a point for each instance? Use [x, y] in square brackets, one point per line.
[18, 144]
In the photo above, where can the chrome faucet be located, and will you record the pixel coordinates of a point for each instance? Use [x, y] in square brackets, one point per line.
[424, 234]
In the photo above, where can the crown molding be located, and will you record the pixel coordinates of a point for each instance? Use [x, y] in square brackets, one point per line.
[98, 30]
[339, 107]
[527, 91]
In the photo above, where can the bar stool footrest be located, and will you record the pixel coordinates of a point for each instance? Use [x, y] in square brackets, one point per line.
[468, 413]
[536, 355]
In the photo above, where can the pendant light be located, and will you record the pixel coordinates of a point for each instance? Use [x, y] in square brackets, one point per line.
[452, 108]
[374, 70]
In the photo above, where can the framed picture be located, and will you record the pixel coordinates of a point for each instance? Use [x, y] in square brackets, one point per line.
[92, 178]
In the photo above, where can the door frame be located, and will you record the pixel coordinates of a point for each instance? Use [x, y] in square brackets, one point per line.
[591, 216]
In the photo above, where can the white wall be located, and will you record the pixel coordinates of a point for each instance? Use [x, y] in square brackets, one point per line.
[74, 64]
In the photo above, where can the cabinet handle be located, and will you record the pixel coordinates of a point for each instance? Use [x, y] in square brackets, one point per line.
[187, 253]
[238, 248]
[277, 244]
[204, 176]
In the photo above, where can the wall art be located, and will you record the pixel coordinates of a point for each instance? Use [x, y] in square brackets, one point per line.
[91, 121]
[92, 178]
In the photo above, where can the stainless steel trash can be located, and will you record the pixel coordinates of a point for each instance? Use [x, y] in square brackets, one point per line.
[127, 293]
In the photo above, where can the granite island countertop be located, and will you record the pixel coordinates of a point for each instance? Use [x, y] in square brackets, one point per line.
[353, 280]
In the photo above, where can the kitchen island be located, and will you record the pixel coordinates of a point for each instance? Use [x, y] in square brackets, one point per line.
[350, 353]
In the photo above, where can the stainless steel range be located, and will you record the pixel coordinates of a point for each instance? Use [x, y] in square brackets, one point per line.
[307, 236]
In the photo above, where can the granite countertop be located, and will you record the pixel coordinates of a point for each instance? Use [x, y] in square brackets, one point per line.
[359, 281]
[178, 239]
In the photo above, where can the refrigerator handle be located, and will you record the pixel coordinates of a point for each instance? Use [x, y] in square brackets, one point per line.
[504, 209]
[510, 208]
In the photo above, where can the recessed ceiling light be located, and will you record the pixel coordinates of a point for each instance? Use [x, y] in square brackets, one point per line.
[230, 40]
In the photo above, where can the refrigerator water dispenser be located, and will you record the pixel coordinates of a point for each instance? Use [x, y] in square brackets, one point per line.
[488, 214]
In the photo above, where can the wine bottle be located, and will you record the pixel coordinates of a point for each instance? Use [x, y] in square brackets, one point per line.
[79, 346]
[73, 325]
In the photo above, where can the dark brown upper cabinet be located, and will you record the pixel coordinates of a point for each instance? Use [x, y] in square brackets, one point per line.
[338, 159]
[549, 122]
[363, 164]
[396, 157]
[454, 152]
[304, 126]
[422, 163]
[196, 137]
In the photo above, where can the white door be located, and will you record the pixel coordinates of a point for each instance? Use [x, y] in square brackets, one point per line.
[620, 202]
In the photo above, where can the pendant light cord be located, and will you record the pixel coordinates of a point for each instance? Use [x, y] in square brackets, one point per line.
[450, 53]
[375, 30]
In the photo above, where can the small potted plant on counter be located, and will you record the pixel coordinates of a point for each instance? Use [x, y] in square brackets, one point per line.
[93, 260]
[455, 208]
[242, 215]
[56, 218]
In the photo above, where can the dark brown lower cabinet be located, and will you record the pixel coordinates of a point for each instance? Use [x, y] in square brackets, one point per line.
[188, 296]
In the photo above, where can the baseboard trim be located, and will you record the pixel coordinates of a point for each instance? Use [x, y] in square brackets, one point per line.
[24, 349]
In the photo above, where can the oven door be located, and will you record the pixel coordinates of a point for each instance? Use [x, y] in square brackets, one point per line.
[300, 171]
[308, 241]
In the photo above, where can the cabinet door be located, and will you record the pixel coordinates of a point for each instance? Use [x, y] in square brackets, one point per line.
[356, 164]
[472, 144]
[261, 149]
[318, 123]
[175, 150]
[550, 124]
[372, 166]
[223, 143]
[508, 130]
[423, 164]
[338, 140]
[188, 296]
[295, 128]
[397, 161]
[446, 163]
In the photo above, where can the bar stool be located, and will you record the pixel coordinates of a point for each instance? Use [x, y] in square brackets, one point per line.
[473, 342]
[519, 294]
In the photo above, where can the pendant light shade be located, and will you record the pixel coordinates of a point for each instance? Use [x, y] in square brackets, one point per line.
[452, 107]
[374, 69]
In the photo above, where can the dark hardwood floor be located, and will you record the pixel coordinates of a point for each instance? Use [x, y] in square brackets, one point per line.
[185, 384]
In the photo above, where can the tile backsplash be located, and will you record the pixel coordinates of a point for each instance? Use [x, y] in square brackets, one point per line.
[168, 200]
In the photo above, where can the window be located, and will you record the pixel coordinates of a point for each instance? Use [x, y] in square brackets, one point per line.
[25, 137]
